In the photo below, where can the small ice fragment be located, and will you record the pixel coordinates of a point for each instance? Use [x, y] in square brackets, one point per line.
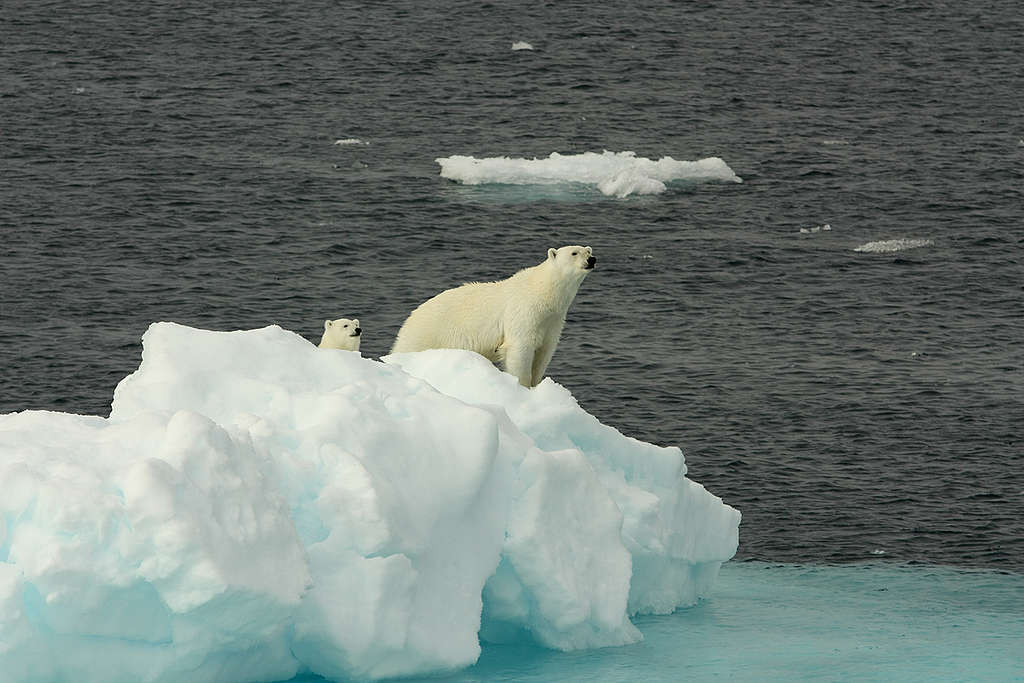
[887, 246]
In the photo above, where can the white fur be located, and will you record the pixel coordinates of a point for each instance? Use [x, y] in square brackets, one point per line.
[341, 334]
[517, 321]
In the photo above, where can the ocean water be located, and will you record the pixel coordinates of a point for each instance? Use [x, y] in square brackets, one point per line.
[797, 623]
[835, 342]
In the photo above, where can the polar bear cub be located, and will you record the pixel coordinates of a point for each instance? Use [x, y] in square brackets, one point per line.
[516, 321]
[343, 333]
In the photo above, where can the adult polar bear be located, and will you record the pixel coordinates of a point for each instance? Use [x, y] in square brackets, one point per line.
[517, 320]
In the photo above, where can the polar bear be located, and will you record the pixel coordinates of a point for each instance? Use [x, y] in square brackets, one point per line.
[516, 321]
[341, 334]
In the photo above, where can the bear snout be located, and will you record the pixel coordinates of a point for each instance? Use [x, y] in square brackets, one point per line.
[356, 332]
[591, 261]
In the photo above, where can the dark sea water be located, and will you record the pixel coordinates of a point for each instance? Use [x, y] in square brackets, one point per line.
[176, 161]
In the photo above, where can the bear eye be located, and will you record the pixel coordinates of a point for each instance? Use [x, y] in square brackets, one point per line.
[575, 252]
[345, 325]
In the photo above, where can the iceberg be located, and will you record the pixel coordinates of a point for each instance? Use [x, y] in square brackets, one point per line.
[617, 174]
[255, 508]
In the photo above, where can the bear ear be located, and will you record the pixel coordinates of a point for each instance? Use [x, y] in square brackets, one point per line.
[327, 325]
[552, 252]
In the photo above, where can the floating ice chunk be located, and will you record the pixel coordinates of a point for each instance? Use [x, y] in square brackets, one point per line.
[815, 229]
[139, 549]
[613, 173]
[402, 523]
[569, 591]
[887, 246]
[254, 507]
[630, 181]
[674, 562]
[521, 45]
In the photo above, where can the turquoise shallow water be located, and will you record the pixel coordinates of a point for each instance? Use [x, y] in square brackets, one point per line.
[768, 622]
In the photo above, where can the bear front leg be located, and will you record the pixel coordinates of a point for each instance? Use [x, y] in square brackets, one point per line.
[519, 362]
[541, 360]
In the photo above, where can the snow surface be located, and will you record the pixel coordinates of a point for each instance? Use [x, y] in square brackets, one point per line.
[255, 507]
[618, 174]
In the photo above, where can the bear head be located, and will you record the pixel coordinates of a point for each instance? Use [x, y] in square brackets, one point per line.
[572, 260]
[343, 333]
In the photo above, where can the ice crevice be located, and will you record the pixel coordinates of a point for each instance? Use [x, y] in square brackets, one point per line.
[254, 507]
